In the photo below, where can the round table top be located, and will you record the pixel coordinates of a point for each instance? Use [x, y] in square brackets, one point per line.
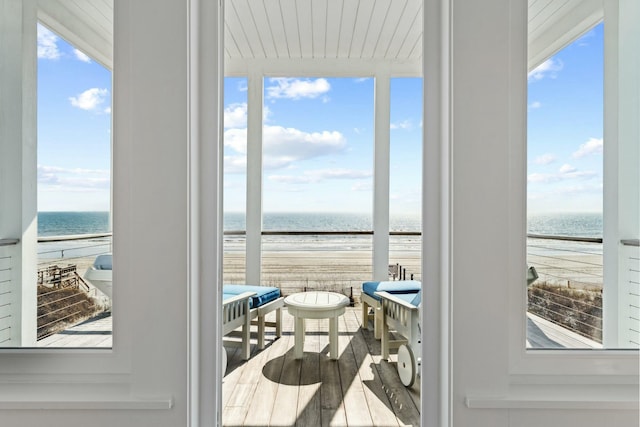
[316, 300]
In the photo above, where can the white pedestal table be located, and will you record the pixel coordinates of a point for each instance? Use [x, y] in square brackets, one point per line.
[316, 305]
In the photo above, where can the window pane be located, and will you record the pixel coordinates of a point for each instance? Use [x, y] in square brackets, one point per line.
[74, 196]
[565, 197]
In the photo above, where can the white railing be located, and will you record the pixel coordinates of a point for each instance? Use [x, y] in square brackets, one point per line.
[7, 317]
[568, 291]
[64, 298]
[320, 260]
[630, 326]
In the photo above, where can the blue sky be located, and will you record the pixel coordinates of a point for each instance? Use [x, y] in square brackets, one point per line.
[74, 128]
[565, 129]
[318, 136]
[318, 144]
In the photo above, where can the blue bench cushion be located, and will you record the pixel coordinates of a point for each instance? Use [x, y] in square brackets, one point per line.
[103, 262]
[264, 295]
[412, 298]
[392, 286]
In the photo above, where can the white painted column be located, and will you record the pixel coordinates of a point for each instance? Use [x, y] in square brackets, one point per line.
[254, 178]
[18, 148]
[382, 103]
[621, 158]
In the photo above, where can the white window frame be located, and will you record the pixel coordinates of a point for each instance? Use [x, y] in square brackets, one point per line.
[617, 364]
[97, 379]
[603, 379]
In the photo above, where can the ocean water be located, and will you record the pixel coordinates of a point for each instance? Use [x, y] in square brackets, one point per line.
[297, 221]
[66, 223]
[70, 223]
[566, 224]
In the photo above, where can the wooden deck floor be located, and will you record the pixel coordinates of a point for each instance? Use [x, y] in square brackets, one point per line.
[542, 333]
[358, 389]
[92, 333]
[273, 389]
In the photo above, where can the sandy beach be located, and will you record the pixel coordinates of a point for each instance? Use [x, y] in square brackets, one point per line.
[339, 271]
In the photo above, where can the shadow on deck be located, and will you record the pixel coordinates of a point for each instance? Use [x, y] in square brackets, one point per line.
[359, 389]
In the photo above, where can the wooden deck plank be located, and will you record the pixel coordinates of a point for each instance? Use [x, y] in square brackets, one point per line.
[232, 375]
[261, 393]
[405, 402]
[92, 333]
[263, 403]
[542, 333]
[315, 390]
[286, 397]
[380, 406]
[355, 402]
[309, 398]
[332, 411]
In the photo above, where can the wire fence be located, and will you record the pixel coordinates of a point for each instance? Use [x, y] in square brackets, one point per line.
[64, 297]
[568, 291]
[338, 261]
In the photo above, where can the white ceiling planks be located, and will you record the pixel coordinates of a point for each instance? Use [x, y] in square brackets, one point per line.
[238, 23]
[541, 14]
[391, 26]
[263, 28]
[332, 26]
[87, 24]
[317, 35]
[276, 27]
[254, 40]
[361, 28]
[305, 22]
[375, 24]
[291, 28]
[406, 38]
[554, 24]
[319, 25]
[347, 27]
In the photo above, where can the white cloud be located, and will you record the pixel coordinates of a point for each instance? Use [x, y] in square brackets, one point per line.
[541, 177]
[81, 56]
[281, 146]
[298, 88]
[236, 139]
[592, 146]
[534, 105]
[235, 164]
[235, 116]
[405, 124]
[77, 179]
[363, 186]
[319, 175]
[545, 159]
[290, 142]
[47, 44]
[566, 172]
[90, 99]
[566, 168]
[584, 39]
[548, 68]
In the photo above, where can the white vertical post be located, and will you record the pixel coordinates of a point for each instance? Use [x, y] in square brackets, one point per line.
[18, 149]
[381, 151]
[621, 154]
[254, 178]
